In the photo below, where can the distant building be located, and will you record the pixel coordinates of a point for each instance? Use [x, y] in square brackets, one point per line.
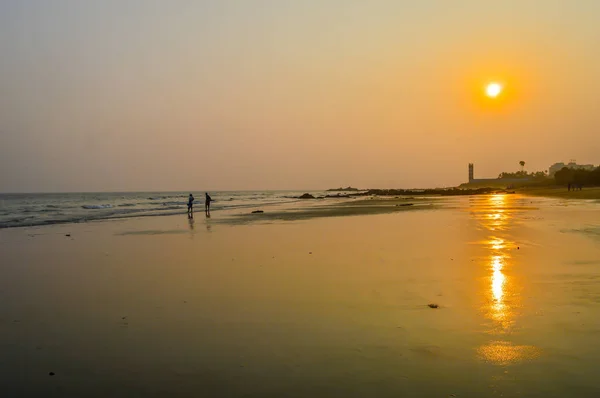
[473, 180]
[571, 165]
[492, 182]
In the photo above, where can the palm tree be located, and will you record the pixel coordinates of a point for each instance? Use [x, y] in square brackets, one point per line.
[522, 163]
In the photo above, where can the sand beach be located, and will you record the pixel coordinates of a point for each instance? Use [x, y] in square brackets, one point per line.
[314, 306]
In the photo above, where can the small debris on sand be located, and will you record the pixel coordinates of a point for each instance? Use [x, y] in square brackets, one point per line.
[67, 234]
[433, 305]
[257, 212]
[51, 374]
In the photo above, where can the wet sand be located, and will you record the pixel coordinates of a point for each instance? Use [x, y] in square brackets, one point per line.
[334, 208]
[308, 307]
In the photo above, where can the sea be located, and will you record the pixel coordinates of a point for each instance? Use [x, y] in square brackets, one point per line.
[22, 210]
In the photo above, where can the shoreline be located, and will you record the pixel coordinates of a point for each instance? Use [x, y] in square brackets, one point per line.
[369, 202]
[293, 211]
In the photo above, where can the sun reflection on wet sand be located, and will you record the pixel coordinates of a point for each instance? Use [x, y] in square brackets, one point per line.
[504, 353]
[496, 243]
[498, 280]
[496, 308]
[501, 294]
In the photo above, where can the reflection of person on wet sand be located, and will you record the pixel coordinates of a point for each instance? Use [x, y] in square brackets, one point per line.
[207, 201]
[191, 222]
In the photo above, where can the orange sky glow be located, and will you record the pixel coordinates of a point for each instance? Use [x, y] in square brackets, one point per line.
[280, 95]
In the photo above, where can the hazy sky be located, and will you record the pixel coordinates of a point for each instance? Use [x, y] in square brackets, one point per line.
[279, 94]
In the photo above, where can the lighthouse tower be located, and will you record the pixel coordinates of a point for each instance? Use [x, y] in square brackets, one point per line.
[471, 172]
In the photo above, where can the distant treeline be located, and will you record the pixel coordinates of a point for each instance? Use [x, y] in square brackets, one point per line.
[537, 175]
[578, 177]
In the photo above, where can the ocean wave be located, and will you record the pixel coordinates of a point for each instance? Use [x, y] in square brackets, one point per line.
[96, 207]
[33, 222]
[17, 220]
[166, 197]
[119, 212]
[37, 210]
[74, 209]
[178, 203]
[42, 211]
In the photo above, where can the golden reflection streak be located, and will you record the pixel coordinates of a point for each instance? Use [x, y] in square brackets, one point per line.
[498, 282]
[498, 199]
[498, 278]
[496, 243]
[504, 352]
[497, 218]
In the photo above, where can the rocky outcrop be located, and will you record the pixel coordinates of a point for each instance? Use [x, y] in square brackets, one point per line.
[412, 192]
[306, 196]
[347, 189]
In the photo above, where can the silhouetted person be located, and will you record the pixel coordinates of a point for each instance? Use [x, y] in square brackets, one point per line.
[191, 205]
[207, 201]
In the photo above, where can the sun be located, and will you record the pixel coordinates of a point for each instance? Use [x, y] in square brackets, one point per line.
[493, 89]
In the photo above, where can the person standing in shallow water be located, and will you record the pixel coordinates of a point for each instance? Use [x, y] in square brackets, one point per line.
[191, 205]
[207, 201]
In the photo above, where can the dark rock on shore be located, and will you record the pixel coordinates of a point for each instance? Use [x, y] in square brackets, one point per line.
[257, 212]
[437, 191]
[347, 189]
[306, 196]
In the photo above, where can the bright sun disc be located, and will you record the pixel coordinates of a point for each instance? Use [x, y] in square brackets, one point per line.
[493, 90]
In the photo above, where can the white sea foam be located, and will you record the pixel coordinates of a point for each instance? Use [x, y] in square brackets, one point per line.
[94, 207]
[17, 210]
